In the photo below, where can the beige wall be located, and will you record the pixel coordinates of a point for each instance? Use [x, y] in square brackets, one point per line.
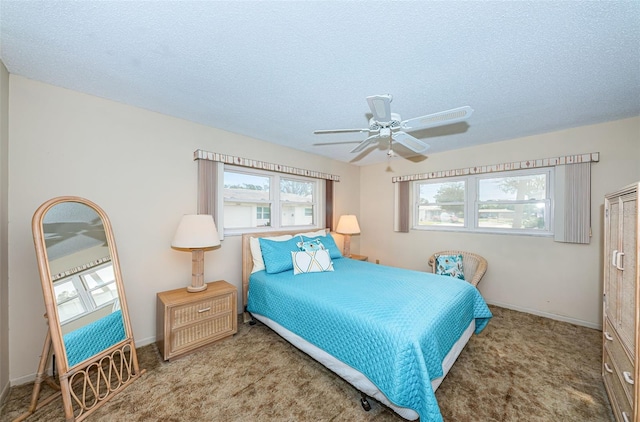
[533, 274]
[4, 239]
[137, 165]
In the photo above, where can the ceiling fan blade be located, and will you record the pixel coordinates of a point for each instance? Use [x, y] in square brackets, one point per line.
[410, 142]
[370, 140]
[324, 131]
[380, 106]
[438, 119]
[319, 144]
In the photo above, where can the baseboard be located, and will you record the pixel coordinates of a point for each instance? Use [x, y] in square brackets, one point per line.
[5, 392]
[548, 315]
[23, 380]
[144, 341]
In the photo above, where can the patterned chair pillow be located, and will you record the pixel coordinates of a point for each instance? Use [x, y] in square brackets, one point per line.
[450, 265]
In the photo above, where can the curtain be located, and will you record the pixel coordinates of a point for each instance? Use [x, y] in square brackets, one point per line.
[572, 217]
[328, 204]
[402, 207]
[209, 173]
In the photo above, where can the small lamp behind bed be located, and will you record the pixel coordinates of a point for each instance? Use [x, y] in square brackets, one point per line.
[347, 225]
[196, 233]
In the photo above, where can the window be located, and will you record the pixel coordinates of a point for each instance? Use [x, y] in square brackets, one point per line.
[505, 202]
[255, 199]
[84, 292]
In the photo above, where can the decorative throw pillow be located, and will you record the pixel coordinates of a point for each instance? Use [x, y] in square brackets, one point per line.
[277, 255]
[256, 252]
[311, 261]
[310, 245]
[329, 244]
[450, 265]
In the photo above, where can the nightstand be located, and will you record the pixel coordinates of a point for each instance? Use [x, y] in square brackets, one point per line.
[359, 257]
[186, 321]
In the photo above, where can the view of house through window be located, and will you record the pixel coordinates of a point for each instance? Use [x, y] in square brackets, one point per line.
[514, 201]
[256, 198]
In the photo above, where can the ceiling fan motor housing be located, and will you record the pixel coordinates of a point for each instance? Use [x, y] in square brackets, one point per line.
[395, 123]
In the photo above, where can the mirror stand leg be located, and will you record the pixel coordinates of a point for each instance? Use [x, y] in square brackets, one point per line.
[40, 377]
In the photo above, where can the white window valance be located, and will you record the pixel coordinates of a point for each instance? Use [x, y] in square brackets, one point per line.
[514, 165]
[256, 164]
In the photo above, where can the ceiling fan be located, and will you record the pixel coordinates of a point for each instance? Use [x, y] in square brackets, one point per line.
[387, 125]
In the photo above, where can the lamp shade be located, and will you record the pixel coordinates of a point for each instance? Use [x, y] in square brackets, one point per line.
[196, 232]
[348, 224]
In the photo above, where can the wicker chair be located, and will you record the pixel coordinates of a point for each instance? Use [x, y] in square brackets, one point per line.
[474, 266]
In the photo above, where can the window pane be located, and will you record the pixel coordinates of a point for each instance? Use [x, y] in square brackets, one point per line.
[245, 187]
[296, 215]
[513, 188]
[512, 216]
[238, 215]
[70, 309]
[64, 291]
[104, 294]
[296, 190]
[99, 277]
[441, 204]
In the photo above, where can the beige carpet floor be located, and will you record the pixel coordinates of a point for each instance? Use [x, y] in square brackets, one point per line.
[520, 368]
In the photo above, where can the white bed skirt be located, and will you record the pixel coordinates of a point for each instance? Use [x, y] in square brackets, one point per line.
[356, 378]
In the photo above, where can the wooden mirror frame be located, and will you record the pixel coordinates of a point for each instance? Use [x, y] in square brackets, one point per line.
[88, 384]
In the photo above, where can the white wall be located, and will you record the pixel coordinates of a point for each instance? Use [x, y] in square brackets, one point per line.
[4, 232]
[136, 165]
[533, 274]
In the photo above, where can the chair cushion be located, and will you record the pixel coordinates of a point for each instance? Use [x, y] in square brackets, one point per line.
[450, 265]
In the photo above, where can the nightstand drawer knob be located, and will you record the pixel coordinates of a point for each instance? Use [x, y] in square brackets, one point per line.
[627, 377]
[608, 336]
[625, 417]
[608, 368]
[204, 310]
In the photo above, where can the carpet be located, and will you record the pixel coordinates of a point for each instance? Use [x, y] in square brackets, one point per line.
[520, 368]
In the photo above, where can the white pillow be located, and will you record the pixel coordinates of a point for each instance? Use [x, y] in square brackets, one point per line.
[311, 262]
[256, 252]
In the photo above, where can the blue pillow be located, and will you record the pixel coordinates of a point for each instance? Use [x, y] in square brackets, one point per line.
[329, 244]
[277, 255]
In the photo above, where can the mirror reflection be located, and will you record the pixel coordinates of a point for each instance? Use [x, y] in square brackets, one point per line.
[84, 283]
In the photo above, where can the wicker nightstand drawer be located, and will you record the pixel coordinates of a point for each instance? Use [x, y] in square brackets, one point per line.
[198, 311]
[186, 321]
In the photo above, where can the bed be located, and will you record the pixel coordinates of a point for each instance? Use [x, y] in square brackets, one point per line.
[391, 333]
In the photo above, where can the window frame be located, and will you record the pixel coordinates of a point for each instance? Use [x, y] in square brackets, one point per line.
[274, 201]
[472, 203]
[83, 292]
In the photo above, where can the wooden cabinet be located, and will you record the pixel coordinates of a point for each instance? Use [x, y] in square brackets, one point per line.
[621, 300]
[186, 321]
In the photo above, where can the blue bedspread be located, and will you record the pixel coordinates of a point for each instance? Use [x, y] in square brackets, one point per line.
[393, 325]
[94, 338]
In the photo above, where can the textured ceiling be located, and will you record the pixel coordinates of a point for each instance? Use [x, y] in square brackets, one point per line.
[276, 70]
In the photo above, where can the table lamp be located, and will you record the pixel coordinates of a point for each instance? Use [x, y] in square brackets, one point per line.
[196, 233]
[347, 225]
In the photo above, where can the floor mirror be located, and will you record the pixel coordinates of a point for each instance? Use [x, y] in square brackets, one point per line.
[89, 338]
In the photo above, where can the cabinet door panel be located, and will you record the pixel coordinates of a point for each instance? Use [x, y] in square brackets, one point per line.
[628, 275]
[610, 270]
